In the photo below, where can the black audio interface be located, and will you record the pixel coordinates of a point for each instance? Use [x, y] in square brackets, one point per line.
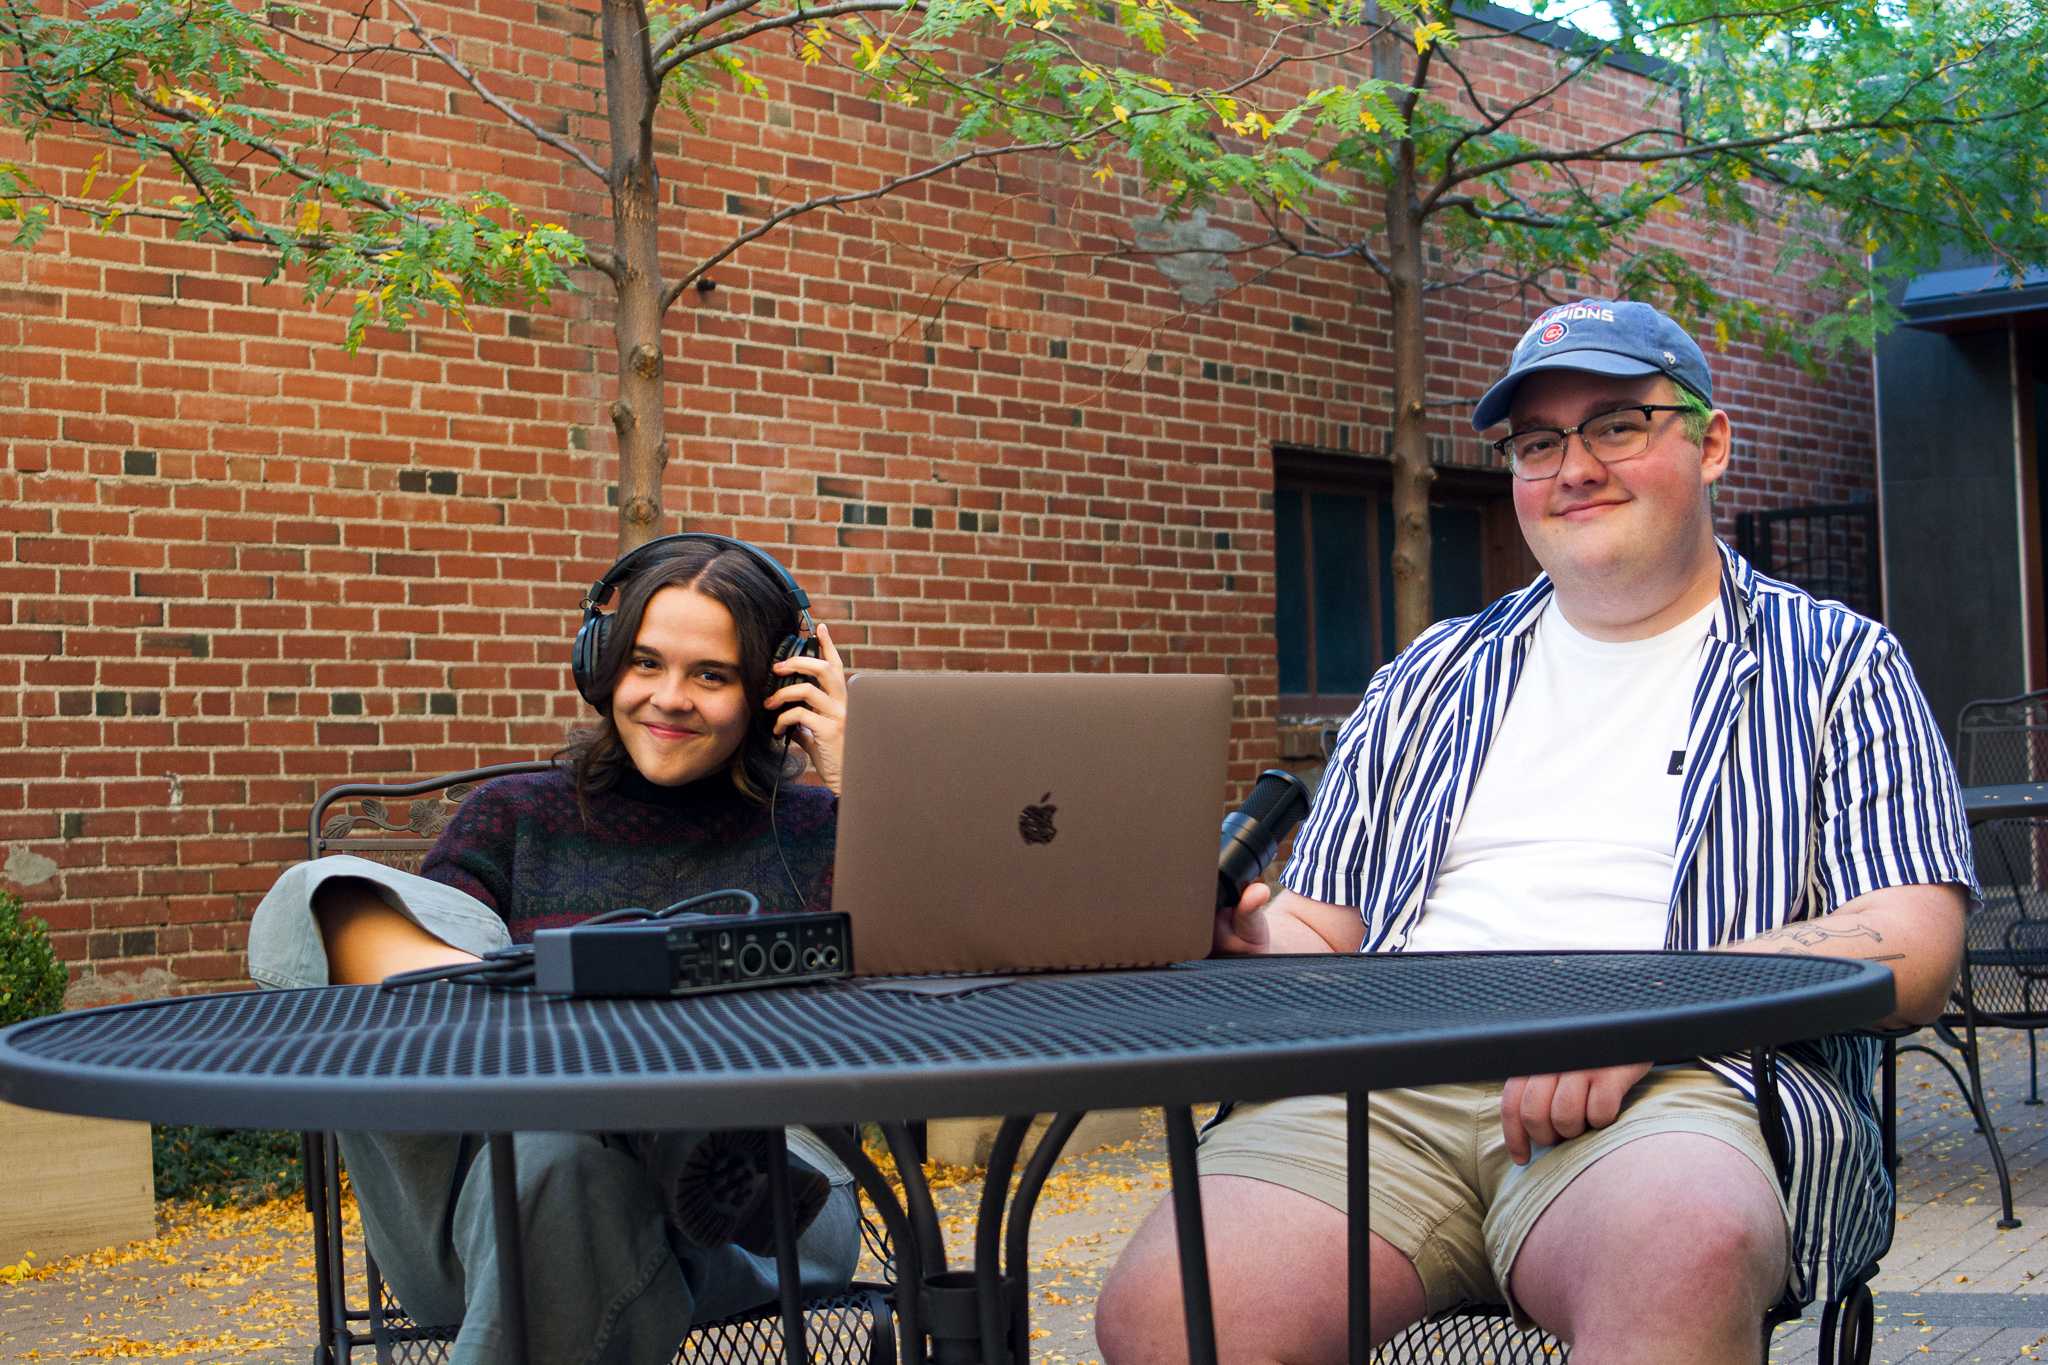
[692, 954]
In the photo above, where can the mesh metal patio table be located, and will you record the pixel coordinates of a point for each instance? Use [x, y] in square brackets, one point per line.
[460, 1058]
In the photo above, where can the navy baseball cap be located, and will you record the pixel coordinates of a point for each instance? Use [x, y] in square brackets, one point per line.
[1600, 336]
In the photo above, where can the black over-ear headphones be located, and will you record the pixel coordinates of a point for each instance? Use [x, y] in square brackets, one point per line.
[596, 628]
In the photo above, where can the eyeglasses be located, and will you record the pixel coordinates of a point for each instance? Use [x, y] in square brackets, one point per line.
[1622, 434]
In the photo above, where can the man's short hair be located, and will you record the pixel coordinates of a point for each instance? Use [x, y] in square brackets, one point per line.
[1698, 413]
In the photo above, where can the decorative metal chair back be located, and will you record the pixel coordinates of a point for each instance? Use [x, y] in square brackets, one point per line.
[2002, 740]
[2006, 938]
[395, 823]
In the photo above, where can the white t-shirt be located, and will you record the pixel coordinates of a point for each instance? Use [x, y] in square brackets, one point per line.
[1568, 838]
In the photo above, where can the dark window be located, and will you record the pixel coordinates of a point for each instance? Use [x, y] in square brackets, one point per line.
[1333, 521]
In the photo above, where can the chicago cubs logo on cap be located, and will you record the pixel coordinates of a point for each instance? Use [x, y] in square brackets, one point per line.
[1553, 333]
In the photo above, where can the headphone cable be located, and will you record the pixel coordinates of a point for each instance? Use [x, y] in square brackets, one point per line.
[511, 966]
[775, 828]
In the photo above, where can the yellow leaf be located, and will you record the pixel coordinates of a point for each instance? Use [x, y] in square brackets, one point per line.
[1123, 115]
[197, 100]
[1102, 175]
[92, 173]
[1365, 117]
[309, 218]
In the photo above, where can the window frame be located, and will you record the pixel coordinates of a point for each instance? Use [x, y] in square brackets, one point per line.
[1505, 561]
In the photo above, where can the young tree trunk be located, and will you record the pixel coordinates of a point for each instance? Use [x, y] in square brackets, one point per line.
[638, 415]
[1412, 471]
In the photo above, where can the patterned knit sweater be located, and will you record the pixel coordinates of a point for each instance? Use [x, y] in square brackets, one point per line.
[519, 845]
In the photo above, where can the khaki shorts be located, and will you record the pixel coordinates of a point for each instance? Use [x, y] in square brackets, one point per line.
[1444, 1192]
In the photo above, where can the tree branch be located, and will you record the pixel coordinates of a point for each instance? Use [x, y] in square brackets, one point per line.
[677, 56]
[469, 78]
[1606, 153]
[429, 48]
[717, 14]
[835, 201]
[600, 259]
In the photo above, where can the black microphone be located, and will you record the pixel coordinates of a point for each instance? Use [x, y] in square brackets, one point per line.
[1252, 833]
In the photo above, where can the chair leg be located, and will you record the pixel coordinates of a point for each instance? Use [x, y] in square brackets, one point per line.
[1976, 1097]
[312, 1154]
[2033, 1071]
[1847, 1328]
[1972, 1090]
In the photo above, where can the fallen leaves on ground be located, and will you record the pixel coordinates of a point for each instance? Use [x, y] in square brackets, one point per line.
[164, 1298]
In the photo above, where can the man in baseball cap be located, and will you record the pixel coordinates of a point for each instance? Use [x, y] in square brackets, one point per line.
[1650, 747]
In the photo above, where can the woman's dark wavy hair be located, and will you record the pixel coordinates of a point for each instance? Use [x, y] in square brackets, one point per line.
[761, 611]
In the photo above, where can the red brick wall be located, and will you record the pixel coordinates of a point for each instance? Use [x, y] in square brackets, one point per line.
[241, 565]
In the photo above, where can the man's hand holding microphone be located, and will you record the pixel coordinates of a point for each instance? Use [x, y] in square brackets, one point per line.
[1251, 835]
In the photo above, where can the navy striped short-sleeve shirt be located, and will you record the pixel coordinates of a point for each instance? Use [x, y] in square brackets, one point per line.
[1813, 775]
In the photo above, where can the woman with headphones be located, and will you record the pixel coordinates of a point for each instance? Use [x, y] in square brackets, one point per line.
[703, 678]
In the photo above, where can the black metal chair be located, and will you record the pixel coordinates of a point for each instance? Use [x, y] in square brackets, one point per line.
[2000, 741]
[1486, 1335]
[395, 824]
[2004, 982]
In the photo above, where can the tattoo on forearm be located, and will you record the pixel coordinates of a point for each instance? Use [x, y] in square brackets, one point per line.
[1802, 940]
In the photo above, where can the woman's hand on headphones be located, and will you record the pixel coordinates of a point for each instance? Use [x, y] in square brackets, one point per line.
[811, 707]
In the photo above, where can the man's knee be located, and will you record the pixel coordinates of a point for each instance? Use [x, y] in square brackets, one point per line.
[1138, 1313]
[1733, 1254]
[1718, 1239]
[1679, 1229]
[1277, 1274]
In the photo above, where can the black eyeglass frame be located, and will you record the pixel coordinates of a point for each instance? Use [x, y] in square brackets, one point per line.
[1565, 434]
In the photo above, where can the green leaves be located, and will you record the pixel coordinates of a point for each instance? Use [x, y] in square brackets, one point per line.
[446, 254]
[1131, 88]
[1872, 134]
[183, 98]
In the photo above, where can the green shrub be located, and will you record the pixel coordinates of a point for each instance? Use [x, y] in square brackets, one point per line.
[31, 978]
[222, 1166]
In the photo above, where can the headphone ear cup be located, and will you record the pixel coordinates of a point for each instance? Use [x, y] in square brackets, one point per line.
[791, 647]
[585, 653]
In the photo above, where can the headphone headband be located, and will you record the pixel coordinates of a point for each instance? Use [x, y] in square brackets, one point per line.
[631, 563]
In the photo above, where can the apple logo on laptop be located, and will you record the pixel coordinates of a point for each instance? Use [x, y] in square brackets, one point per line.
[1034, 822]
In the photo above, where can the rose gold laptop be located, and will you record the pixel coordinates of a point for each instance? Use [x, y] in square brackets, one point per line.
[1007, 822]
